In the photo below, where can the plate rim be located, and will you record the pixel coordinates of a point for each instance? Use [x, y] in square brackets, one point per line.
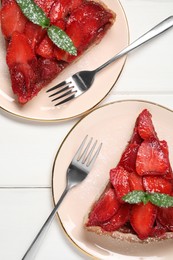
[59, 149]
[89, 109]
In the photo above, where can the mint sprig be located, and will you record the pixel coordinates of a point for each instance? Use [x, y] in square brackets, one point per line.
[158, 199]
[136, 196]
[61, 39]
[33, 12]
[36, 15]
[161, 200]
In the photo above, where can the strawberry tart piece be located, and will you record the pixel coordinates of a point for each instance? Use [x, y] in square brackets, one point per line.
[33, 31]
[137, 203]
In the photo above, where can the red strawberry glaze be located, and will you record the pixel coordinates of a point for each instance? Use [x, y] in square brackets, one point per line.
[145, 126]
[88, 30]
[119, 179]
[26, 54]
[142, 219]
[105, 208]
[128, 158]
[169, 173]
[143, 166]
[59, 10]
[46, 48]
[34, 33]
[165, 217]
[119, 219]
[12, 19]
[158, 231]
[136, 138]
[151, 158]
[135, 182]
[157, 184]
[45, 5]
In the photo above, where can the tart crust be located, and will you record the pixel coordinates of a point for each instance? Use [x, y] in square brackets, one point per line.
[123, 236]
[128, 236]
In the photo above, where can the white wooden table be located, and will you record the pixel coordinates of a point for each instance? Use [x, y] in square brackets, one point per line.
[27, 149]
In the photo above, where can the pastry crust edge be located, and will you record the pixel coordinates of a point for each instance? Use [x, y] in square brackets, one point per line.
[129, 237]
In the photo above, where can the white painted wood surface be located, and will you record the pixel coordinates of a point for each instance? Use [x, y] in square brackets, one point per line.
[27, 149]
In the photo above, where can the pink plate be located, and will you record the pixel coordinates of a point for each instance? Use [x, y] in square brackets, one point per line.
[41, 108]
[111, 124]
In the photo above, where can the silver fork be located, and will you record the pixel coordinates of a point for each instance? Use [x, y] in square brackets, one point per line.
[77, 171]
[81, 81]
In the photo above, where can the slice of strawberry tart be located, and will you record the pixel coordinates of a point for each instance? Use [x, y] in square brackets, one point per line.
[137, 204]
[44, 37]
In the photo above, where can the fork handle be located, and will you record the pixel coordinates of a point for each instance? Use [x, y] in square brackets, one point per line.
[31, 252]
[158, 29]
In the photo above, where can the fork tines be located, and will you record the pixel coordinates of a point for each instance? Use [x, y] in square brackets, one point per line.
[88, 155]
[65, 92]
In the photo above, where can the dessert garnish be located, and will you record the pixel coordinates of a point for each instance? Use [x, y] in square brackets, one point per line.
[156, 198]
[137, 203]
[36, 15]
[44, 37]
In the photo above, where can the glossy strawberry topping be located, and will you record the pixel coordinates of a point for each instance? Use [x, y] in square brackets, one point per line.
[85, 22]
[144, 166]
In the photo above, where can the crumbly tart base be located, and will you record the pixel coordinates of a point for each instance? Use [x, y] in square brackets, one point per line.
[129, 237]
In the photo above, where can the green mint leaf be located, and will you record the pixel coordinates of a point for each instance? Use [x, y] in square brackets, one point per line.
[161, 200]
[135, 197]
[146, 198]
[158, 199]
[36, 15]
[33, 12]
[61, 39]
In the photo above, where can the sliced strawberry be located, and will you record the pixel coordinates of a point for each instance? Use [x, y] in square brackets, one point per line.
[75, 4]
[19, 42]
[34, 33]
[119, 219]
[74, 31]
[165, 217]
[158, 230]
[157, 184]
[104, 208]
[86, 16]
[7, 2]
[128, 158]
[135, 182]
[142, 219]
[61, 24]
[89, 11]
[91, 17]
[60, 54]
[59, 10]
[23, 67]
[62, 8]
[145, 126]
[119, 179]
[46, 48]
[135, 138]
[24, 78]
[151, 158]
[169, 174]
[49, 69]
[45, 5]
[12, 19]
